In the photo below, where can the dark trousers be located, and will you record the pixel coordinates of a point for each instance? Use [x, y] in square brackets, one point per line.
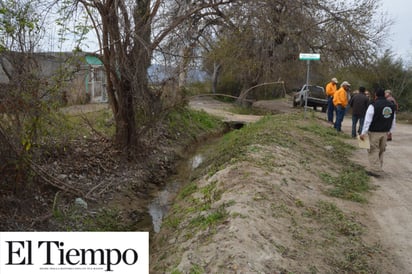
[340, 113]
[355, 119]
[331, 109]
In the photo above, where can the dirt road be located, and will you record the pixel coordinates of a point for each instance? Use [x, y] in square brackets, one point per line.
[391, 203]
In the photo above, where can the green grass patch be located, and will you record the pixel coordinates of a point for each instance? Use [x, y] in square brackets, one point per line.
[334, 220]
[286, 130]
[187, 190]
[83, 125]
[326, 136]
[343, 232]
[210, 193]
[172, 222]
[199, 202]
[236, 144]
[209, 219]
[185, 121]
[351, 184]
[330, 215]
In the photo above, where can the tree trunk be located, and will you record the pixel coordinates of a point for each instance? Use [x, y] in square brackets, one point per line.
[126, 69]
[216, 71]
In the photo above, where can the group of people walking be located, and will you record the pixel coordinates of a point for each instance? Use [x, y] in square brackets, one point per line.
[376, 117]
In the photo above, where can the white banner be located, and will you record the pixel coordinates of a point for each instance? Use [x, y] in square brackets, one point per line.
[74, 252]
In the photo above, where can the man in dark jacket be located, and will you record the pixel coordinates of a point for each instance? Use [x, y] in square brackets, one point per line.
[379, 120]
[359, 104]
[389, 97]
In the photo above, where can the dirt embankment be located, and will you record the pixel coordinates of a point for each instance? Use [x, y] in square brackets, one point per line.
[278, 219]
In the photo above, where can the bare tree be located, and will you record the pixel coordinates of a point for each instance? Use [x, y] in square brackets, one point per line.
[128, 38]
[269, 35]
[390, 73]
[21, 31]
[24, 90]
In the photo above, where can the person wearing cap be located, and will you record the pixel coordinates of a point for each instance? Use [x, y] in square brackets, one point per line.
[389, 97]
[330, 91]
[359, 103]
[340, 101]
[380, 119]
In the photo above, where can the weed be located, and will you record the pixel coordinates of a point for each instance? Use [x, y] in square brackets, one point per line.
[76, 219]
[355, 259]
[210, 193]
[187, 190]
[209, 219]
[349, 184]
[281, 210]
[299, 203]
[330, 215]
[172, 222]
[196, 269]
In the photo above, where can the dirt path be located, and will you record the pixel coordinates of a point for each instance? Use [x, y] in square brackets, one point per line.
[391, 203]
[221, 109]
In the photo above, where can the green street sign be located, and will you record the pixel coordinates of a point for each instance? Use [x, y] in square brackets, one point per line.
[309, 56]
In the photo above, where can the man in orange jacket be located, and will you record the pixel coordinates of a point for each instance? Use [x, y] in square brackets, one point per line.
[330, 91]
[340, 101]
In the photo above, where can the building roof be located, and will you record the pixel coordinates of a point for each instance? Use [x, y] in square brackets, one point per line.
[93, 60]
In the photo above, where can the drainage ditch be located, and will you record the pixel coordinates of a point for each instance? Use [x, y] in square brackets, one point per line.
[163, 199]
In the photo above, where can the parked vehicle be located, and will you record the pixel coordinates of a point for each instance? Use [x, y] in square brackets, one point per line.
[316, 97]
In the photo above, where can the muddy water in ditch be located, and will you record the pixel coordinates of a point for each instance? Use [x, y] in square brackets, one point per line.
[163, 200]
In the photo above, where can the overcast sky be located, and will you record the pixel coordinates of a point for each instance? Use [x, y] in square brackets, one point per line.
[400, 39]
[401, 35]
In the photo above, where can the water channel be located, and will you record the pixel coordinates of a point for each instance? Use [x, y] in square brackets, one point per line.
[163, 200]
[160, 205]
